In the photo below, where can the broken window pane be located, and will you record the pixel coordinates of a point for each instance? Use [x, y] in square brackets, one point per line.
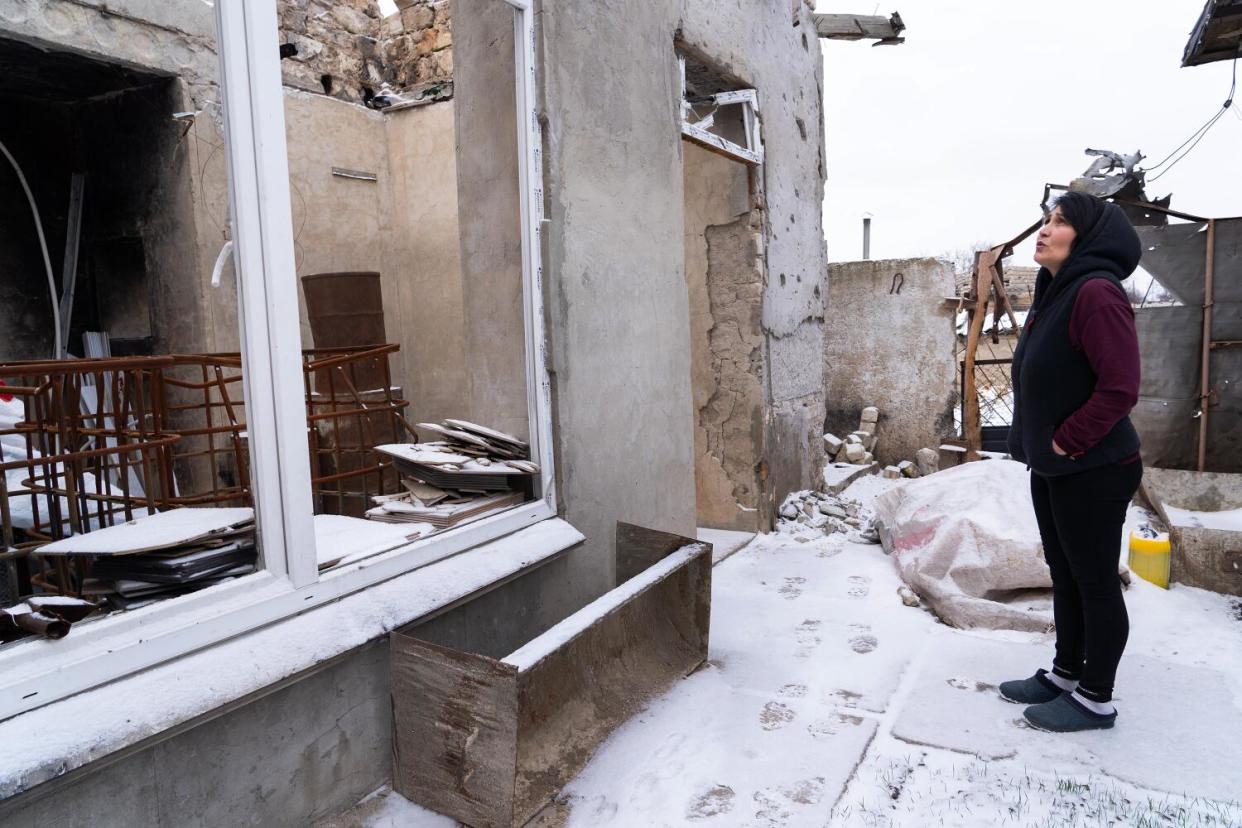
[404, 182]
[124, 400]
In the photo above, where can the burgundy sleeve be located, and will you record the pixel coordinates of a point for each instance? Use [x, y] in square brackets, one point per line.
[1102, 327]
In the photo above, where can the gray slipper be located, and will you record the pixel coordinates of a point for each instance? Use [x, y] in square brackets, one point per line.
[1034, 690]
[1065, 715]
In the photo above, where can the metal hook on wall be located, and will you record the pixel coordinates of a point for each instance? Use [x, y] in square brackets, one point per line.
[899, 279]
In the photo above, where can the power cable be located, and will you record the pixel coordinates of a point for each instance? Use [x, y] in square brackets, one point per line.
[1198, 134]
[57, 353]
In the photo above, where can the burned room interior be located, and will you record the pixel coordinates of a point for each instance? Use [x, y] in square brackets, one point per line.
[105, 133]
[404, 184]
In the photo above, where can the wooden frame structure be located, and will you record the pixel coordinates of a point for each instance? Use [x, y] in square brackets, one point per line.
[987, 290]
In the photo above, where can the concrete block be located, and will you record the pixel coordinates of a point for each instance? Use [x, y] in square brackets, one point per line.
[832, 444]
[866, 426]
[927, 460]
[838, 476]
[908, 469]
[951, 455]
[855, 453]
[891, 473]
[870, 414]
[1205, 554]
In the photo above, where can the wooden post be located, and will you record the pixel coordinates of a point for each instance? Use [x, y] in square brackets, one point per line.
[972, 427]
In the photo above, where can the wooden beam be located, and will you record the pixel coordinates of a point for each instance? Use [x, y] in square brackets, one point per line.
[972, 425]
[859, 27]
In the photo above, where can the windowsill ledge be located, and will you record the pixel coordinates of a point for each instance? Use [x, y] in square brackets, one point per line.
[53, 740]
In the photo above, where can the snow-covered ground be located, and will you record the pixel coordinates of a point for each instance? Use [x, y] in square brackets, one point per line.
[826, 701]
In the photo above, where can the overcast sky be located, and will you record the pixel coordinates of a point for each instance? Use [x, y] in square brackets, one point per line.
[949, 138]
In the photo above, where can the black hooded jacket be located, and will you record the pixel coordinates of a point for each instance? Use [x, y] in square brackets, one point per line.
[1051, 379]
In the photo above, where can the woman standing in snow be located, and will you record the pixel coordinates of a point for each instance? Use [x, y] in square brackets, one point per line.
[1075, 380]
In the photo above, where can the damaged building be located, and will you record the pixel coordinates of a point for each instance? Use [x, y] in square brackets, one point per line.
[463, 236]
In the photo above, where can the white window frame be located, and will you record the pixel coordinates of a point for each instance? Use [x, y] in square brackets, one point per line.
[697, 131]
[38, 672]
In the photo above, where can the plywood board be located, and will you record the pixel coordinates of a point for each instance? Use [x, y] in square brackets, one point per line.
[454, 731]
[163, 530]
[573, 698]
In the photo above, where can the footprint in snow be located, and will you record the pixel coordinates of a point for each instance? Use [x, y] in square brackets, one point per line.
[775, 716]
[862, 642]
[824, 728]
[793, 691]
[970, 684]
[844, 698]
[805, 791]
[772, 811]
[807, 638]
[713, 802]
[792, 588]
[859, 586]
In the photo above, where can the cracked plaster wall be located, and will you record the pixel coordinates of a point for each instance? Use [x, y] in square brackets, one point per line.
[773, 47]
[724, 270]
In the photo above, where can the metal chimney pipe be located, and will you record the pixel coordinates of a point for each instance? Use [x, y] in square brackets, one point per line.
[866, 237]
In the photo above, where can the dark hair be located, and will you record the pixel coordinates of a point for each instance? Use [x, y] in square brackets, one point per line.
[1082, 211]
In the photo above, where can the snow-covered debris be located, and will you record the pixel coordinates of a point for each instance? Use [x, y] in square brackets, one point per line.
[966, 540]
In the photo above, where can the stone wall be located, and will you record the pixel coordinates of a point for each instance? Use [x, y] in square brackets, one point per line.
[335, 47]
[346, 49]
[418, 44]
[894, 350]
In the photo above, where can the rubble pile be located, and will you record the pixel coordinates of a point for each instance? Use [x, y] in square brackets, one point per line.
[825, 514]
[858, 447]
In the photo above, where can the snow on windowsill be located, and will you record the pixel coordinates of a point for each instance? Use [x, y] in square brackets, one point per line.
[50, 741]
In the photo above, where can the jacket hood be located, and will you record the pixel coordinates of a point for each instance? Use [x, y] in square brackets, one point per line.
[1111, 246]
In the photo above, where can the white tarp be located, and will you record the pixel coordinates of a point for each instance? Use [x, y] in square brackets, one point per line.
[965, 539]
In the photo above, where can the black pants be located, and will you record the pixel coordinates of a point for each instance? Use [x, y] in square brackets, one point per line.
[1080, 518]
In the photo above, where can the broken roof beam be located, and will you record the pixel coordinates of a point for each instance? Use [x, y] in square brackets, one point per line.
[886, 31]
[1217, 34]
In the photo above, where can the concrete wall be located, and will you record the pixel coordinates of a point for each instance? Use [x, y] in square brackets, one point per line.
[423, 262]
[490, 217]
[615, 258]
[616, 293]
[303, 752]
[892, 350]
[339, 223]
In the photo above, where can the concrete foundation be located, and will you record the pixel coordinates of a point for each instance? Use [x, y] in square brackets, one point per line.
[296, 753]
[1208, 558]
[890, 342]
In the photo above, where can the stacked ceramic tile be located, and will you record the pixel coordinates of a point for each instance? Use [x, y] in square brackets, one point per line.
[167, 553]
[470, 472]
